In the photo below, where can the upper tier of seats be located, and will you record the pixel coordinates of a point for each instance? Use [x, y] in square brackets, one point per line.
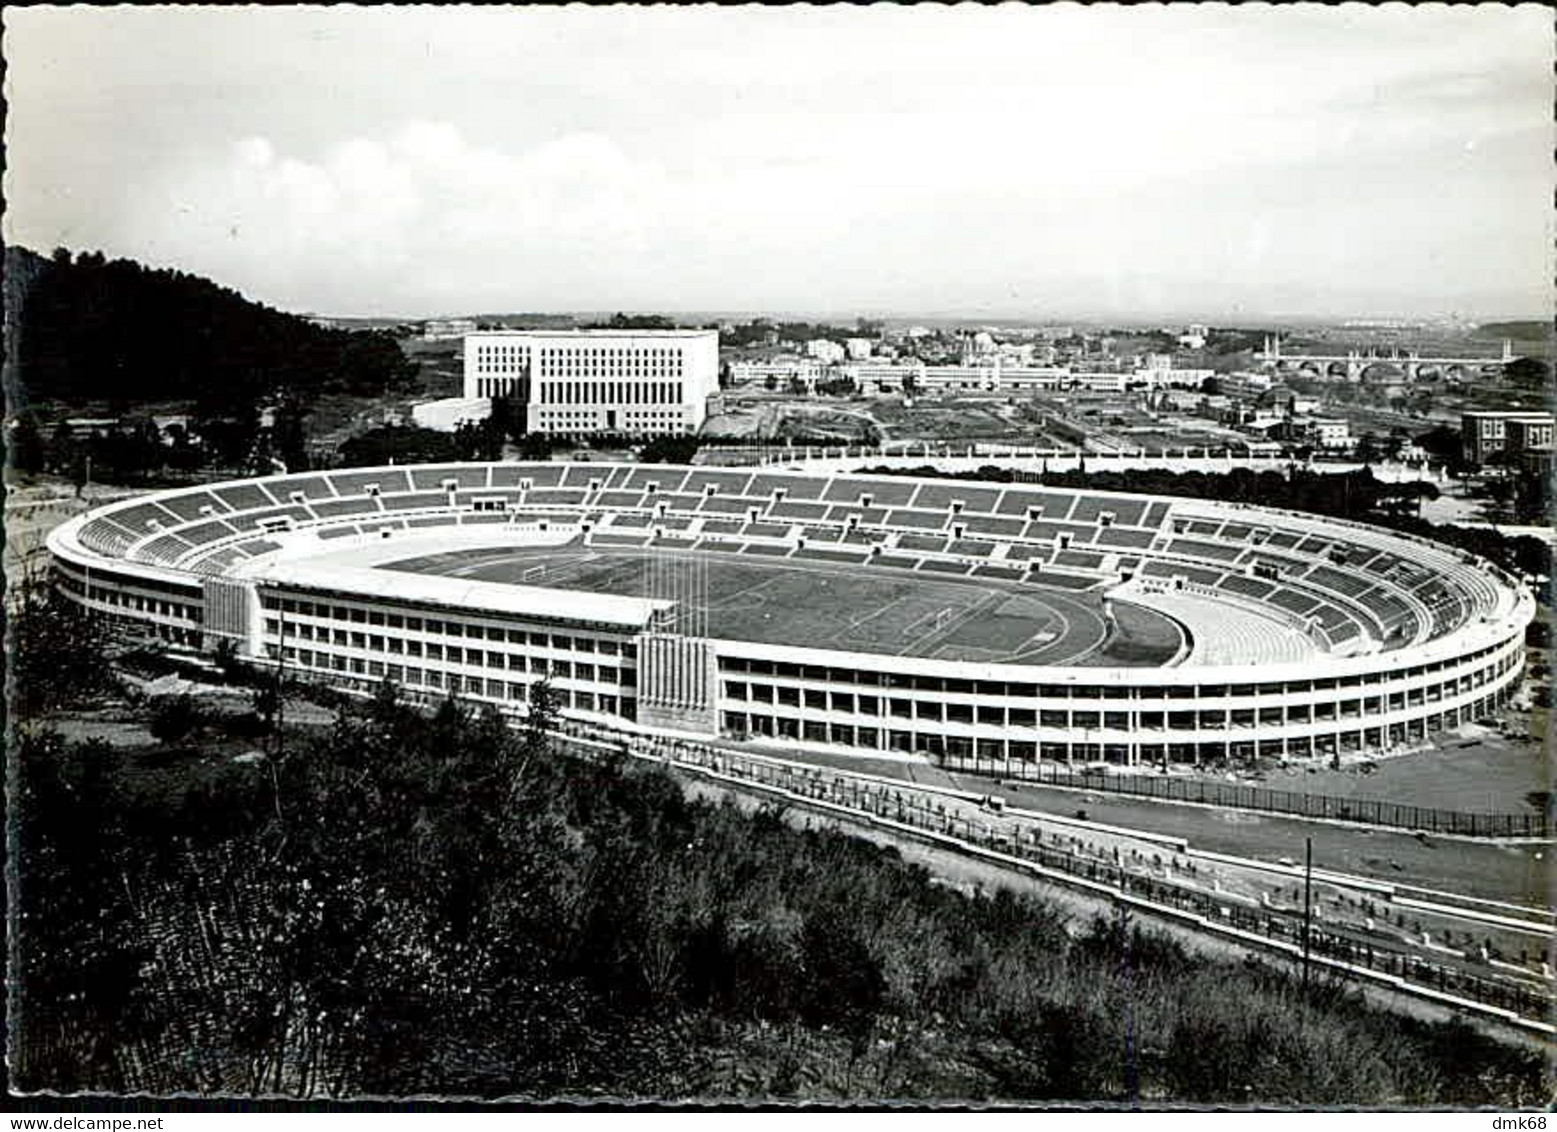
[1344, 582]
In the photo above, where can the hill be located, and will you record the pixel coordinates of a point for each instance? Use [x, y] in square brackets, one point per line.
[1530, 338]
[23, 269]
[412, 904]
[1530, 330]
[87, 328]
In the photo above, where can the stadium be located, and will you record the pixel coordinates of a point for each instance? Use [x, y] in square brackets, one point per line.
[986, 625]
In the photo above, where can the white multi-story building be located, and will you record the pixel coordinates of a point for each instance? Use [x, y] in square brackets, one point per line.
[996, 377]
[448, 413]
[782, 370]
[1194, 336]
[435, 329]
[575, 382]
[858, 348]
[1326, 432]
[1155, 376]
[825, 350]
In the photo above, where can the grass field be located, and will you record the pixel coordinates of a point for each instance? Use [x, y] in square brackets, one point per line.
[1483, 774]
[862, 609]
[1140, 637]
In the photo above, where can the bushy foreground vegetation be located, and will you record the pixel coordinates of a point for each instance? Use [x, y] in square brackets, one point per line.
[408, 904]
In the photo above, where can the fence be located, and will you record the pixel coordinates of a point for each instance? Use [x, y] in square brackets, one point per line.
[900, 803]
[1365, 811]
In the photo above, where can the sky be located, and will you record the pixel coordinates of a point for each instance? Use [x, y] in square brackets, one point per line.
[1064, 161]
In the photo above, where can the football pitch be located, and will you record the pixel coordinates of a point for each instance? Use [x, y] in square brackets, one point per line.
[817, 605]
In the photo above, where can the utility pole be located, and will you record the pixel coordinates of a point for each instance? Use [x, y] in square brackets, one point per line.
[1308, 904]
[281, 698]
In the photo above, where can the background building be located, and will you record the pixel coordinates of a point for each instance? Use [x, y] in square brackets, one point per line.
[449, 413]
[435, 329]
[1484, 433]
[825, 351]
[590, 381]
[996, 376]
[808, 371]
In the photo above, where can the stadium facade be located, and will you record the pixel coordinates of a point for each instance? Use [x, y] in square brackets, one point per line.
[579, 382]
[1298, 636]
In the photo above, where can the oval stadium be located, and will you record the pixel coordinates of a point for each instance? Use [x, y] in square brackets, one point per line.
[987, 625]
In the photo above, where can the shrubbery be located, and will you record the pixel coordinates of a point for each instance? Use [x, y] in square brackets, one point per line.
[432, 903]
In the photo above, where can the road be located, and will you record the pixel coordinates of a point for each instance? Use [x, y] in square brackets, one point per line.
[1519, 874]
[1439, 943]
[973, 876]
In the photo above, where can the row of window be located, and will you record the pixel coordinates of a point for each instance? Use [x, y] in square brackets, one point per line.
[129, 601]
[453, 654]
[357, 615]
[936, 711]
[611, 392]
[597, 350]
[500, 359]
[104, 579]
[174, 634]
[742, 725]
[992, 688]
[502, 387]
[412, 676]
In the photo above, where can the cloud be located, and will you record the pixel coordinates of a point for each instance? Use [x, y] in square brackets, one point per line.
[426, 201]
[411, 160]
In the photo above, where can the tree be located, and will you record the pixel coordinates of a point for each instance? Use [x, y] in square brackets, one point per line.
[1528, 371]
[265, 698]
[1444, 444]
[398, 444]
[535, 446]
[669, 450]
[289, 437]
[508, 413]
[1369, 448]
[228, 433]
[540, 718]
[59, 650]
[620, 321]
[479, 440]
[99, 330]
[1397, 442]
[174, 718]
[26, 444]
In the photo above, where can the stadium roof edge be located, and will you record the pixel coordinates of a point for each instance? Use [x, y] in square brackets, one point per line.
[458, 593]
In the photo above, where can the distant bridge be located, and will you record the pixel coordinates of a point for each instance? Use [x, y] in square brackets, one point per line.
[1355, 362]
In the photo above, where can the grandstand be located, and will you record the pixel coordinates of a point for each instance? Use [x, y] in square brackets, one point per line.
[875, 612]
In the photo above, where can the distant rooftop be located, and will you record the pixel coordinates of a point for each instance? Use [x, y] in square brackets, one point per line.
[607, 332]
